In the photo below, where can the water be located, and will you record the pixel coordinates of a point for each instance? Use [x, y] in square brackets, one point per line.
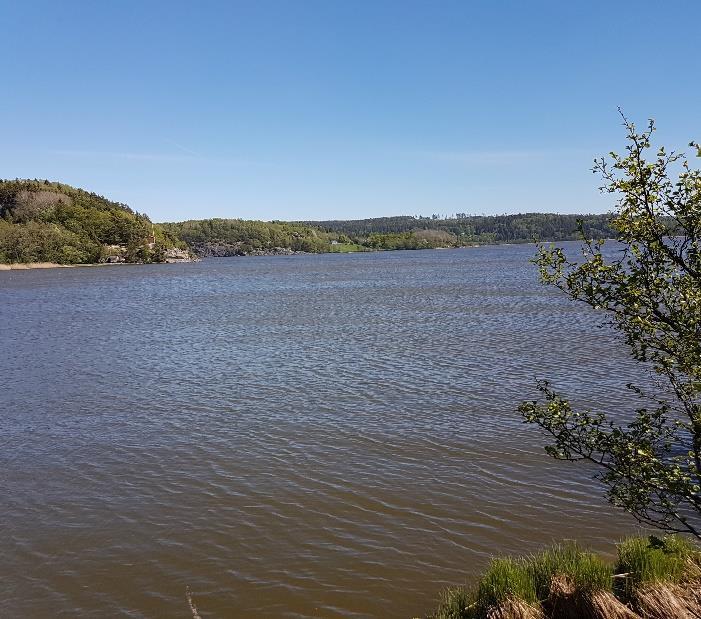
[306, 436]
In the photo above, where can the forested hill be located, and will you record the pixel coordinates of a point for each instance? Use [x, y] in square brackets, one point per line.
[43, 221]
[240, 237]
[231, 237]
[477, 228]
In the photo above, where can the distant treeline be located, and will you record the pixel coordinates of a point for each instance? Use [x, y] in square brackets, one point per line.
[470, 229]
[43, 221]
[228, 237]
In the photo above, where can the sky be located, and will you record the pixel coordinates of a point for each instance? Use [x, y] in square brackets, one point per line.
[330, 109]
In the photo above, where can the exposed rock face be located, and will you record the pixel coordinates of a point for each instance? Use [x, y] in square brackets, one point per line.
[226, 250]
[274, 251]
[218, 250]
[178, 255]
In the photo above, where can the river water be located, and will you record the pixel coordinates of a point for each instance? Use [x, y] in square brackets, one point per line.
[303, 436]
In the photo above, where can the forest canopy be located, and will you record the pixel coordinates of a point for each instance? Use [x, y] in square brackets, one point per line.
[471, 229]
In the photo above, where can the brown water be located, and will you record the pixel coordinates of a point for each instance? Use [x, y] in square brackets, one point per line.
[307, 436]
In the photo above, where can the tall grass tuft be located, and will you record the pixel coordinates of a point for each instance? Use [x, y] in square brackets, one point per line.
[505, 591]
[504, 579]
[652, 559]
[455, 603]
[660, 576]
[577, 584]
[585, 570]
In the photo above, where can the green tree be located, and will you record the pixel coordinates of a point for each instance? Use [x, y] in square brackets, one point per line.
[650, 293]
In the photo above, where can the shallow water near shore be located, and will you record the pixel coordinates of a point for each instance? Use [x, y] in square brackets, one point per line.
[305, 436]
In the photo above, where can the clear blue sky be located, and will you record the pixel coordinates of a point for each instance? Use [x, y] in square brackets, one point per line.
[340, 109]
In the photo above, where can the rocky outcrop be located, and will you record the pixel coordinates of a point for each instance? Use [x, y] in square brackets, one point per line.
[173, 255]
[226, 250]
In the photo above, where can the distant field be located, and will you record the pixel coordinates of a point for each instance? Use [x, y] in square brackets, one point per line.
[346, 248]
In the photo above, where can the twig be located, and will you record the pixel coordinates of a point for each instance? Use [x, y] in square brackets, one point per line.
[193, 608]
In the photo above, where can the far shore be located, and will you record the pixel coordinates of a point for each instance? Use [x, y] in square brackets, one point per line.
[24, 266]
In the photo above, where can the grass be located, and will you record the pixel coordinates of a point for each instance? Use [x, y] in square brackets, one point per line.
[346, 248]
[585, 570]
[653, 559]
[505, 579]
[662, 577]
[654, 577]
[455, 603]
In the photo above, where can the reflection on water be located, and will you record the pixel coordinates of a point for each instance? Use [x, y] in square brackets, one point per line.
[307, 436]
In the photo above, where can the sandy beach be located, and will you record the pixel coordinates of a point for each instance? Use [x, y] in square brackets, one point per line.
[21, 266]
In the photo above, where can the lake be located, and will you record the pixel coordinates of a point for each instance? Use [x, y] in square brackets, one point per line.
[304, 436]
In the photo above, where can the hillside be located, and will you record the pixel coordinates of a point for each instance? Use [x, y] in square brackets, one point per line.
[43, 221]
[238, 237]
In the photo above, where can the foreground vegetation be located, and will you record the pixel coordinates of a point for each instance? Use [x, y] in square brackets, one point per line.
[42, 221]
[649, 290]
[648, 459]
[652, 577]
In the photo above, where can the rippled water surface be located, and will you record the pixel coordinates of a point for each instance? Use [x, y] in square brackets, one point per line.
[305, 436]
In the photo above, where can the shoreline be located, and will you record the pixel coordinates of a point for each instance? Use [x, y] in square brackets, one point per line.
[28, 266]
[25, 266]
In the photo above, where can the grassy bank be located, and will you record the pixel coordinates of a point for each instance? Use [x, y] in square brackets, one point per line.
[346, 248]
[658, 578]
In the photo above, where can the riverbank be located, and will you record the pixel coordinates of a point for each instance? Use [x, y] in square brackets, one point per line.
[657, 577]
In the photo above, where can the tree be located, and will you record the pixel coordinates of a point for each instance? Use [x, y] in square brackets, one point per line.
[651, 294]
